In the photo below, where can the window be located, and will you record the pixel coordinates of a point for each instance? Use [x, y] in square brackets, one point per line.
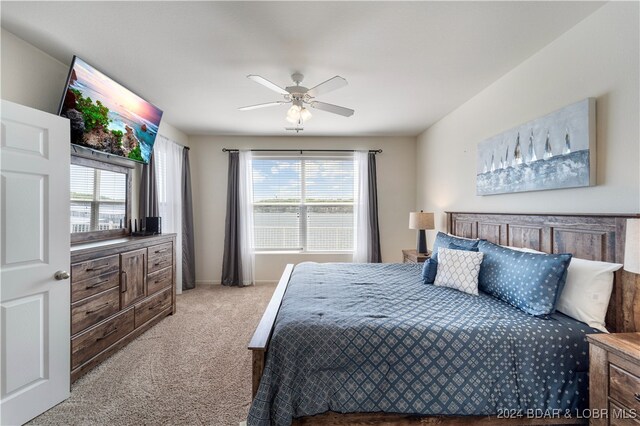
[99, 199]
[303, 203]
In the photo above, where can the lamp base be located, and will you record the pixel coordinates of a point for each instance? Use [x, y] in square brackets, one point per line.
[422, 242]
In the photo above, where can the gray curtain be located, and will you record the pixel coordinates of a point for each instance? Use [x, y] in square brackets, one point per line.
[188, 250]
[148, 197]
[232, 261]
[374, 229]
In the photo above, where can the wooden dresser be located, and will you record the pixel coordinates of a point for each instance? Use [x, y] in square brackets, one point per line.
[614, 378]
[119, 289]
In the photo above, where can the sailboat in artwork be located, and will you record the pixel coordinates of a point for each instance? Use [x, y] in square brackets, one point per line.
[547, 148]
[567, 143]
[517, 152]
[493, 164]
[506, 158]
[531, 154]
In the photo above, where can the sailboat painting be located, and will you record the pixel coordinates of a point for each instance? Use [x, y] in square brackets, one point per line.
[551, 152]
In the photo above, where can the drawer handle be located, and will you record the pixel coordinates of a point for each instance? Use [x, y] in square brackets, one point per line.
[637, 396]
[123, 275]
[97, 309]
[156, 264]
[106, 335]
[89, 287]
[160, 251]
[98, 268]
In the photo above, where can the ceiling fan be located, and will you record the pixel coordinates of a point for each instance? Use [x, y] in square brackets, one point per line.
[300, 97]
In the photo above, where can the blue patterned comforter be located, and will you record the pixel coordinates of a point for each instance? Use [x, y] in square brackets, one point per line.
[373, 337]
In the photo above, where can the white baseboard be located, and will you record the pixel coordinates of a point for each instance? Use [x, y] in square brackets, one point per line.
[207, 282]
[211, 282]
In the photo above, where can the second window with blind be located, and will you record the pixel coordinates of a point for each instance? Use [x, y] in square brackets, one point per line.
[304, 204]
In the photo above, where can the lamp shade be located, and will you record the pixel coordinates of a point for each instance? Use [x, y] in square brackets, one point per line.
[632, 246]
[421, 220]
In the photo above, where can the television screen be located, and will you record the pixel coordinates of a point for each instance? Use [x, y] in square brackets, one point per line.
[106, 116]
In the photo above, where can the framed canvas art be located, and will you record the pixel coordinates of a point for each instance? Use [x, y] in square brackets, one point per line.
[555, 151]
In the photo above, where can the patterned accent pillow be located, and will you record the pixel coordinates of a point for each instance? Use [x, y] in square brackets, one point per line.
[430, 267]
[443, 240]
[531, 282]
[459, 269]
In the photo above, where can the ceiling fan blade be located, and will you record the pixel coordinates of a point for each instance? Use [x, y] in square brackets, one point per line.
[347, 112]
[327, 86]
[268, 104]
[266, 83]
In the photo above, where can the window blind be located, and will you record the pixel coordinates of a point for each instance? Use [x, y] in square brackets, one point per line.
[98, 199]
[303, 203]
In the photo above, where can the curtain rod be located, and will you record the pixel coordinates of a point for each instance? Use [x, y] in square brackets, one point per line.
[375, 151]
[171, 140]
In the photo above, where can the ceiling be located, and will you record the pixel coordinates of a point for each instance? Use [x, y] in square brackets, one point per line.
[407, 63]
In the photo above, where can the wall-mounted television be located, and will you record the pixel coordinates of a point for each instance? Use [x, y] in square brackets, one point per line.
[107, 117]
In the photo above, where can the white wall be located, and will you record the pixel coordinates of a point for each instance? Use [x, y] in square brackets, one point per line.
[597, 58]
[30, 77]
[396, 198]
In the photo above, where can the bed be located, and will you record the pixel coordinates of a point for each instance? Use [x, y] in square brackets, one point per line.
[367, 339]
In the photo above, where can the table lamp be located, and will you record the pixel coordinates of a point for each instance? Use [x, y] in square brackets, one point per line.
[421, 221]
[632, 246]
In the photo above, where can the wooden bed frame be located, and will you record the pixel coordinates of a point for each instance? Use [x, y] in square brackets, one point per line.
[594, 237]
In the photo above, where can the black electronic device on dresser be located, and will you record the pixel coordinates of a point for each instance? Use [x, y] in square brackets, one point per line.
[152, 225]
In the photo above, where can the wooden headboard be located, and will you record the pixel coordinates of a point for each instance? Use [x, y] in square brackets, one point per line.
[592, 237]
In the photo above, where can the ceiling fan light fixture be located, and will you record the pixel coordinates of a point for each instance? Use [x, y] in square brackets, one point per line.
[300, 97]
[305, 115]
[293, 115]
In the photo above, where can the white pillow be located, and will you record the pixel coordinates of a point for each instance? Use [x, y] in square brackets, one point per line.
[459, 269]
[587, 291]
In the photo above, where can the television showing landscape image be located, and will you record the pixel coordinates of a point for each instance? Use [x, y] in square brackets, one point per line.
[106, 116]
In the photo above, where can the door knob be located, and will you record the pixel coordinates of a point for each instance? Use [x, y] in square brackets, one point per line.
[61, 275]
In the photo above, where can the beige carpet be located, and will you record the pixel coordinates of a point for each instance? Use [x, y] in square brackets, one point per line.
[193, 368]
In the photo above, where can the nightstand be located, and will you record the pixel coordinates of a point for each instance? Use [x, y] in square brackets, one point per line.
[412, 256]
[614, 378]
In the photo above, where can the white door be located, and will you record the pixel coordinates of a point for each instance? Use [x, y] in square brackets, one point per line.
[34, 247]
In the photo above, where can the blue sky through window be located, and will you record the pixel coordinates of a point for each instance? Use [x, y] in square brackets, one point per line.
[326, 180]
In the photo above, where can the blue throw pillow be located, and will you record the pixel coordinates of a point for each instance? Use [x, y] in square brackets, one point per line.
[443, 240]
[430, 267]
[531, 282]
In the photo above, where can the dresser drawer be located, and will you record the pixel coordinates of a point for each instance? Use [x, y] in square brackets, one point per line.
[93, 341]
[160, 257]
[619, 416]
[93, 268]
[624, 387]
[152, 306]
[159, 280]
[94, 285]
[94, 309]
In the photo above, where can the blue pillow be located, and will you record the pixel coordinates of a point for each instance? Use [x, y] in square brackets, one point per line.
[430, 267]
[531, 282]
[443, 240]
